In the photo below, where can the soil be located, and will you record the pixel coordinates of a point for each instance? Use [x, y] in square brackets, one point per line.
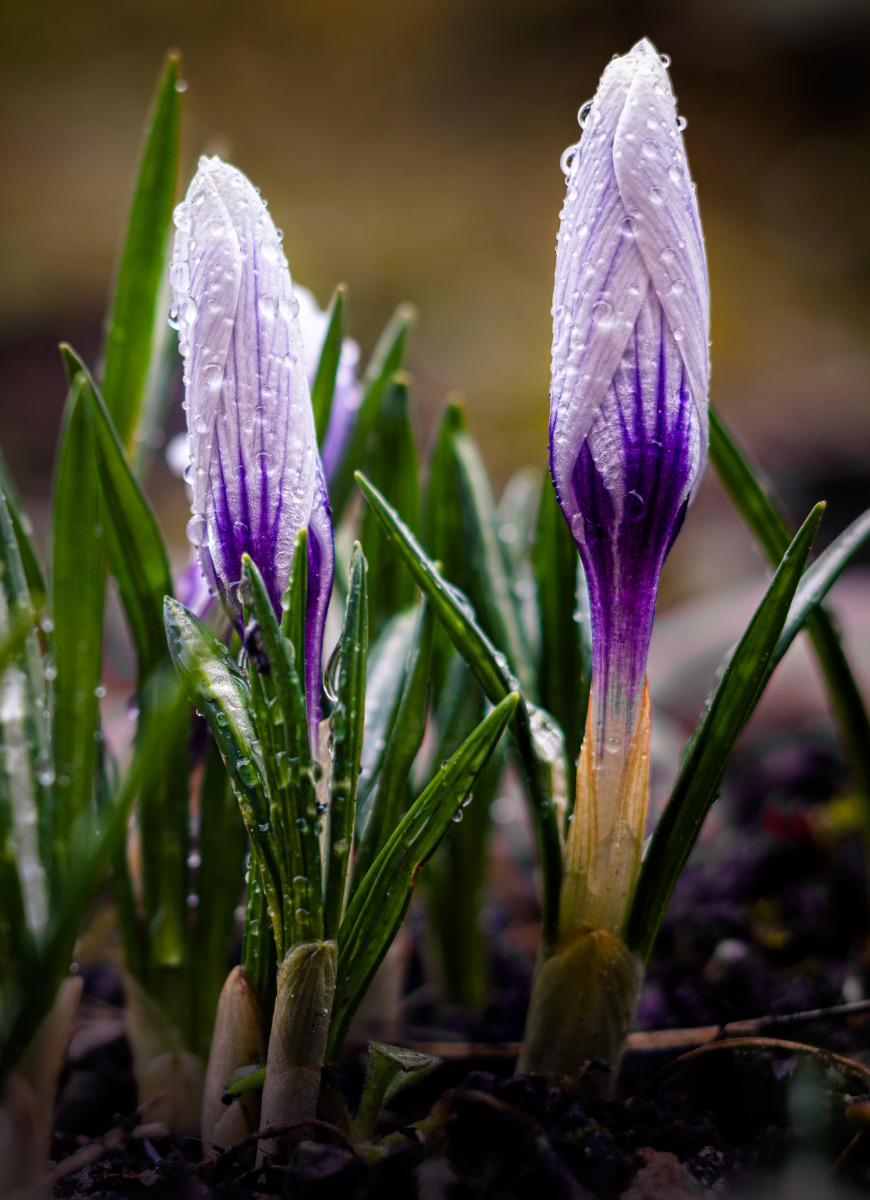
[769, 919]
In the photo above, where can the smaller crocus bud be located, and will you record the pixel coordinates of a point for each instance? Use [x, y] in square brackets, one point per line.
[255, 472]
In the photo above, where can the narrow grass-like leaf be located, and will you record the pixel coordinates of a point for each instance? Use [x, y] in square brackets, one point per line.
[531, 730]
[755, 501]
[164, 830]
[77, 592]
[819, 578]
[294, 815]
[21, 643]
[380, 903]
[565, 665]
[387, 358]
[710, 746]
[130, 328]
[462, 534]
[323, 387]
[23, 529]
[456, 872]
[385, 680]
[393, 469]
[219, 691]
[348, 720]
[223, 848]
[137, 557]
[406, 737]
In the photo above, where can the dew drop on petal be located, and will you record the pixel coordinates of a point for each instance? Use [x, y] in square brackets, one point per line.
[197, 529]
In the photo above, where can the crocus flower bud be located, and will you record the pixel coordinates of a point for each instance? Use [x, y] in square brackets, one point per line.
[628, 438]
[628, 414]
[255, 472]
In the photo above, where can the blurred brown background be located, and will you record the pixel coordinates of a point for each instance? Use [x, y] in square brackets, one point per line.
[411, 149]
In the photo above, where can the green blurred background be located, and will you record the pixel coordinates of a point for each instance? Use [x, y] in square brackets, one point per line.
[410, 148]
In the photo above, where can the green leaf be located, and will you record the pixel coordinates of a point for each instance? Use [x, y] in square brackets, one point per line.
[406, 737]
[348, 721]
[755, 501]
[137, 557]
[378, 906]
[820, 578]
[532, 729]
[223, 847]
[131, 325]
[456, 873]
[565, 665]
[220, 692]
[462, 534]
[284, 736]
[164, 836]
[390, 1068]
[387, 358]
[245, 1080]
[385, 681]
[77, 587]
[23, 529]
[21, 643]
[392, 459]
[733, 702]
[323, 388]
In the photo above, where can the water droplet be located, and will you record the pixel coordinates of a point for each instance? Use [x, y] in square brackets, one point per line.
[199, 200]
[193, 900]
[679, 334]
[212, 374]
[181, 86]
[99, 692]
[457, 816]
[246, 772]
[197, 530]
[200, 425]
[649, 148]
[583, 113]
[665, 60]
[602, 312]
[681, 123]
[567, 159]
[675, 173]
[268, 306]
[181, 216]
[179, 276]
[193, 860]
[49, 670]
[656, 195]
[678, 287]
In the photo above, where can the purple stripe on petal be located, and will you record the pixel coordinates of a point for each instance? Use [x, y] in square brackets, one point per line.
[321, 567]
[629, 491]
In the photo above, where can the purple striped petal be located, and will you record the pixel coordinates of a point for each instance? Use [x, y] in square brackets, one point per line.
[630, 368]
[255, 471]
